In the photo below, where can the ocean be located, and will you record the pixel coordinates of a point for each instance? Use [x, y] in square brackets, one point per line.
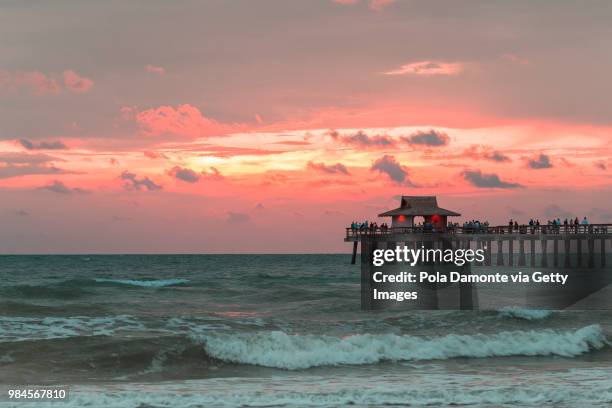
[276, 331]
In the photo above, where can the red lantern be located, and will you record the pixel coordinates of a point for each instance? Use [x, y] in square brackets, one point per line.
[401, 218]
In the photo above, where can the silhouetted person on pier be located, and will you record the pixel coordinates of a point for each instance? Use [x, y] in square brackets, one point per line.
[576, 225]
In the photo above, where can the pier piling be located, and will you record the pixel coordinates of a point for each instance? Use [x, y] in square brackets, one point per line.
[544, 243]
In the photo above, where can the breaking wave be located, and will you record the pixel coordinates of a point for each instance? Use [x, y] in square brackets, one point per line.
[281, 350]
[325, 392]
[29, 328]
[527, 314]
[152, 283]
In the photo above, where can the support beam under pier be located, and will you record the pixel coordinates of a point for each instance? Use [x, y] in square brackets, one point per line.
[544, 253]
[521, 260]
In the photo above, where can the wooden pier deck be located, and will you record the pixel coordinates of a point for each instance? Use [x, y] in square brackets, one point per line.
[508, 243]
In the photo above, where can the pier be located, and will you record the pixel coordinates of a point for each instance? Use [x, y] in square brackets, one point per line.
[507, 245]
[542, 246]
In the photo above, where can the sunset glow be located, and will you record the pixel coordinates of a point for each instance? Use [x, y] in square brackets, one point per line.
[162, 141]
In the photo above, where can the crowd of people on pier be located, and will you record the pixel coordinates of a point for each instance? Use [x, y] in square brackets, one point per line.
[555, 226]
[368, 227]
[552, 226]
[473, 226]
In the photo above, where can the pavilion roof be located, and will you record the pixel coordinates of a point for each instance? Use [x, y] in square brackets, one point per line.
[419, 205]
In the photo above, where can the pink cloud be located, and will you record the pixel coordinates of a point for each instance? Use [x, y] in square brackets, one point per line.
[516, 59]
[183, 121]
[213, 174]
[36, 81]
[378, 5]
[155, 69]
[428, 68]
[154, 155]
[77, 83]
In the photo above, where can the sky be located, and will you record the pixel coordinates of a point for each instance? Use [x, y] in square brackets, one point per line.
[268, 126]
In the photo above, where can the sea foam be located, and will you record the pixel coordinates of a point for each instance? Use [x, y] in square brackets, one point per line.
[292, 352]
[30, 328]
[593, 388]
[153, 283]
[527, 314]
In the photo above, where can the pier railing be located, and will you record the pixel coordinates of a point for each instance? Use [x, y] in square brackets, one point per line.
[501, 229]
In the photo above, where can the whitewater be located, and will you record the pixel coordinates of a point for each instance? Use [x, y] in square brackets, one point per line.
[277, 330]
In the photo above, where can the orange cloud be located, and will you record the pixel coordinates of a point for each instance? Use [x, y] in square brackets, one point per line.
[154, 155]
[41, 84]
[36, 81]
[337, 168]
[183, 121]
[77, 83]
[485, 153]
[428, 68]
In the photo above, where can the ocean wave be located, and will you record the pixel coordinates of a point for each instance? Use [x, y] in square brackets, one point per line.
[26, 308]
[527, 314]
[337, 392]
[66, 290]
[30, 328]
[281, 350]
[146, 283]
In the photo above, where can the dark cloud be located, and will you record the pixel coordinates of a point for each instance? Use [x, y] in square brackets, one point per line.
[601, 165]
[496, 156]
[480, 180]
[154, 155]
[259, 206]
[26, 158]
[237, 218]
[22, 213]
[540, 162]
[25, 170]
[392, 168]
[363, 140]
[57, 145]
[432, 138]
[485, 153]
[18, 164]
[337, 168]
[184, 174]
[58, 187]
[132, 182]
